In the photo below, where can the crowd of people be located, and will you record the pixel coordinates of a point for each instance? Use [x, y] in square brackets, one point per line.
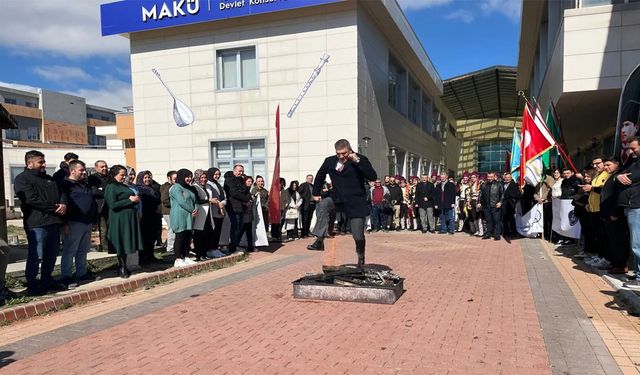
[127, 209]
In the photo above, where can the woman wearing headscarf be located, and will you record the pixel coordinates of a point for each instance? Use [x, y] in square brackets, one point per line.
[150, 218]
[203, 224]
[124, 233]
[292, 202]
[183, 210]
[217, 202]
[131, 177]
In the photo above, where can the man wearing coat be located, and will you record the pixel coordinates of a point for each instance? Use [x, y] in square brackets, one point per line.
[511, 198]
[308, 204]
[445, 200]
[491, 198]
[348, 172]
[424, 202]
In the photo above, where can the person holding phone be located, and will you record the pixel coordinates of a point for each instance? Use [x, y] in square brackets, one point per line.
[348, 172]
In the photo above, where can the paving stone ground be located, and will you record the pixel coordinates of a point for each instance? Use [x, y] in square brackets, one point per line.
[468, 308]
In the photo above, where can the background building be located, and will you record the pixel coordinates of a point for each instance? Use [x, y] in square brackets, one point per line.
[6, 122]
[578, 54]
[379, 89]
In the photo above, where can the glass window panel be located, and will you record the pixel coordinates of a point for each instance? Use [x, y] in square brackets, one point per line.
[241, 150]
[257, 149]
[229, 70]
[249, 68]
[223, 150]
[259, 168]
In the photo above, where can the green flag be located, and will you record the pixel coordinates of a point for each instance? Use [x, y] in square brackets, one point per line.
[552, 155]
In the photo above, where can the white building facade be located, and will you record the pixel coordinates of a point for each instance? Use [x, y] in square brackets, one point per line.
[379, 89]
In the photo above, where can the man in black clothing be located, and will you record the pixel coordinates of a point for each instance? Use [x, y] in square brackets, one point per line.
[570, 184]
[444, 195]
[308, 204]
[424, 202]
[63, 172]
[238, 196]
[42, 206]
[491, 198]
[396, 197]
[348, 172]
[511, 198]
[98, 182]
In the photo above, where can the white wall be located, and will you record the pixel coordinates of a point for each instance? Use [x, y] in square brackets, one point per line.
[287, 51]
[14, 157]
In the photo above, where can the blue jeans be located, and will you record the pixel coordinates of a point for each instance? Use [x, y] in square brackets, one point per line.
[44, 245]
[633, 218]
[76, 246]
[446, 220]
[378, 217]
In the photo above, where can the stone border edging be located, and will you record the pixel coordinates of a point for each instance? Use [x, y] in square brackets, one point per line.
[57, 303]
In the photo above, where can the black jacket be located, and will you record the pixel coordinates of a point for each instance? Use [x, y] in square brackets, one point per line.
[630, 194]
[444, 198]
[81, 205]
[511, 195]
[491, 193]
[61, 174]
[424, 190]
[237, 194]
[39, 195]
[609, 198]
[395, 194]
[348, 187]
[569, 187]
[98, 183]
[305, 193]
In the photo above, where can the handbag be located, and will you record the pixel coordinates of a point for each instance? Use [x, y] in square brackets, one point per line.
[291, 214]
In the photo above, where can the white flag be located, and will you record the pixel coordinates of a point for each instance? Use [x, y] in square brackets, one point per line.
[259, 232]
[565, 222]
[530, 223]
[533, 172]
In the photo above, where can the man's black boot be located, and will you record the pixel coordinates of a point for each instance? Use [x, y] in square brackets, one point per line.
[360, 252]
[317, 245]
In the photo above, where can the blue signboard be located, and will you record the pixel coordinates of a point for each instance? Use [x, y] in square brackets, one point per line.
[139, 15]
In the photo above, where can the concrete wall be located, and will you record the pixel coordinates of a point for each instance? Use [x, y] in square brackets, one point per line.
[376, 118]
[14, 157]
[287, 51]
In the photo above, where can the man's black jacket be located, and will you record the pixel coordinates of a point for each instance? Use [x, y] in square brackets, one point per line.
[629, 196]
[348, 186]
[424, 190]
[81, 205]
[98, 183]
[305, 193]
[491, 193]
[444, 198]
[39, 195]
[237, 193]
[569, 187]
[511, 195]
[395, 194]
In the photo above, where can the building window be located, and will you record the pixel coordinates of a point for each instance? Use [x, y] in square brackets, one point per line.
[397, 85]
[595, 3]
[491, 156]
[414, 102]
[30, 104]
[435, 128]
[427, 114]
[250, 153]
[10, 101]
[237, 68]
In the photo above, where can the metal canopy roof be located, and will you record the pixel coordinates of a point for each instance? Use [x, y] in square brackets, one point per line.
[6, 120]
[486, 93]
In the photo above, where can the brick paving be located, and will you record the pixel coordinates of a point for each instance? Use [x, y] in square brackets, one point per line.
[468, 309]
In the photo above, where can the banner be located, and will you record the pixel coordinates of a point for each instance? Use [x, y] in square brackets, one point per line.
[565, 222]
[628, 115]
[531, 223]
[259, 233]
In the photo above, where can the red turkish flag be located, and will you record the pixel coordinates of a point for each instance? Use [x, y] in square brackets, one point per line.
[274, 192]
[536, 138]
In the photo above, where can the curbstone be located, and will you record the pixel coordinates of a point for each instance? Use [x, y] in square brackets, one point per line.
[57, 303]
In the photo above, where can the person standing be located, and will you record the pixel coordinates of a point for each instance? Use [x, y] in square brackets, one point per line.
[292, 202]
[425, 202]
[42, 205]
[395, 194]
[183, 210]
[461, 205]
[98, 182]
[596, 220]
[78, 222]
[248, 218]
[166, 207]
[511, 198]
[629, 199]
[217, 204]
[616, 229]
[237, 197]
[203, 225]
[258, 191]
[491, 198]
[445, 201]
[151, 219]
[63, 172]
[308, 205]
[124, 233]
[379, 195]
[348, 172]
